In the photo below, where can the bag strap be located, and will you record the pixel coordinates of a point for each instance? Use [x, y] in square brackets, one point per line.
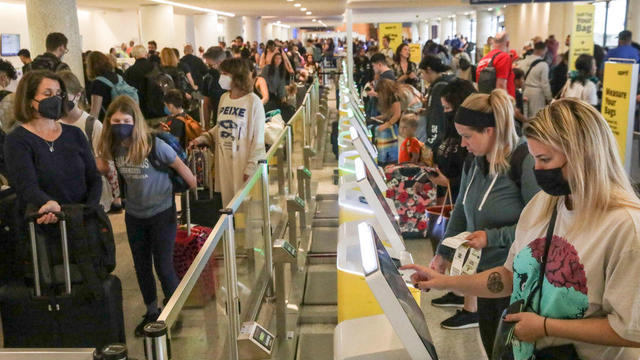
[88, 129]
[543, 265]
[493, 58]
[106, 81]
[533, 64]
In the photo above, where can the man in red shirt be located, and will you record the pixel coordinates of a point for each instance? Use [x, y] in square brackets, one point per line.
[502, 64]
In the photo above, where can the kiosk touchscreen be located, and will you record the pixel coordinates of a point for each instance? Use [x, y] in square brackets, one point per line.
[383, 212]
[368, 154]
[391, 292]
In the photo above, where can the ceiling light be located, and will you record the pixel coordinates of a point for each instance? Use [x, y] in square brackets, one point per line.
[490, 9]
[196, 8]
[278, 22]
[314, 20]
[289, 0]
[308, 12]
[297, 5]
[303, 9]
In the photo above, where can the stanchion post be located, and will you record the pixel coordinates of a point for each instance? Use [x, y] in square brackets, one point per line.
[289, 152]
[266, 226]
[233, 305]
[156, 341]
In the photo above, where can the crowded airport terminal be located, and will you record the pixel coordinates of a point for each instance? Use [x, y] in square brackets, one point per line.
[319, 180]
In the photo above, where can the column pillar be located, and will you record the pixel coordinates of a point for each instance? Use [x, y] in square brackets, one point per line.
[483, 29]
[252, 28]
[633, 19]
[463, 25]
[156, 23]
[423, 29]
[445, 29]
[438, 34]
[206, 30]
[415, 33]
[267, 31]
[190, 30]
[233, 28]
[47, 16]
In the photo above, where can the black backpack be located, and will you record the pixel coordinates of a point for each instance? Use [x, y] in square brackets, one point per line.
[487, 77]
[515, 161]
[157, 84]
[48, 62]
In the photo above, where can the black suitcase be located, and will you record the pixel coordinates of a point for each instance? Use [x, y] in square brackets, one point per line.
[8, 235]
[60, 316]
[205, 204]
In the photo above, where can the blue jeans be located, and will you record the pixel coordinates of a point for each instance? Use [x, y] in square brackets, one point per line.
[151, 241]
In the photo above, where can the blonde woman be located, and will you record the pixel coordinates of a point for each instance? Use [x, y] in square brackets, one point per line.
[494, 188]
[181, 77]
[588, 300]
[150, 214]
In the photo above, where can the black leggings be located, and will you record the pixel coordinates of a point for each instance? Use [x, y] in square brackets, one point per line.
[489, 313]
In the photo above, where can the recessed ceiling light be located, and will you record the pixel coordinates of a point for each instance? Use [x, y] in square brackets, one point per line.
[297, 5]
[490, 9]
[308, 12]
[314, 20]
[289, 0]
[191, 7]
[303, 9]
[278, 22]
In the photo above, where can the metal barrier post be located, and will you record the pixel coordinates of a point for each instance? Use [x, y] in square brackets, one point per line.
[266, 226]
[280, 168]
[289, 152]
[203, 121]
[156, 341]
[233, 300]
[295, 205]
[304, 183]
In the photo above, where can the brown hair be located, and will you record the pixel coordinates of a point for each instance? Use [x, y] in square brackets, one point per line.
[98, 64]
[168, 57]
[140, 138]
[240, 73]
[386, 90]
[410, 119]
[26, 92]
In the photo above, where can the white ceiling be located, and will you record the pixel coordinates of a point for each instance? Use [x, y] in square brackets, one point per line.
[327, 10]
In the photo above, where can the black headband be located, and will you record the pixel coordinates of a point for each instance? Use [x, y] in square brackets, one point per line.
[470, 117]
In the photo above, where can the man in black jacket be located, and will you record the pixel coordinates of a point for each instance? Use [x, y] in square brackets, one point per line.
[150, 94]
[56, 45]
[195, 64]
[210, 86]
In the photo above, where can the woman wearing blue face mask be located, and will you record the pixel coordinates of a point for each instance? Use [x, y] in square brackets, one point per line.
[150, 214]
[572, 269]
[48, 163]
[238, 137]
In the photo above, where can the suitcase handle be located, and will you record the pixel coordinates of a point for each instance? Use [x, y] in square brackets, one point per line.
[32, 217]
[36, 215]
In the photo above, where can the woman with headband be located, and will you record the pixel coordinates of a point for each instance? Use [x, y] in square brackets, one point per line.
[574, 263]
[496, 185]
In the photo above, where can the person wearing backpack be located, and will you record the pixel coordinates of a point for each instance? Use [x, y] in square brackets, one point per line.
[537, 89]
[496, 185]
[56, 45]
[150, 215]
[494, 69]
[149, 93]
[437, 75]
[179, 123]
[106, 84]
[170, 65]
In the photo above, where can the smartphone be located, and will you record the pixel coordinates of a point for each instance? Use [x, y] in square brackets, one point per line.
[504, 335]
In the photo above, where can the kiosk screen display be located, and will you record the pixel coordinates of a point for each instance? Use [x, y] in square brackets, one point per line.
[399, 287]
[383, 201]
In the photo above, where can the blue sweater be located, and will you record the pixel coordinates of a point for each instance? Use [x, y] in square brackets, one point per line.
[67, 175]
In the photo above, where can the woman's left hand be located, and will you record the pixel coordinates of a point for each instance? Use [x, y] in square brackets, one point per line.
[529, 326]
[477, 239]
[440, 179]
[384, 126]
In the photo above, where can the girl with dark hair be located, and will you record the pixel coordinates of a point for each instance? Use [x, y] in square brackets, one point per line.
[583, 82]
[100, 71]
[406, 70]
[238, 137]
[277, 76]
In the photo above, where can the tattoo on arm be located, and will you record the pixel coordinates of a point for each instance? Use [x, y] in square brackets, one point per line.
[494, 282]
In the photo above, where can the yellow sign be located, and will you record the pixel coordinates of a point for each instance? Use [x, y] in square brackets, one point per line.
[416, 53]
[619, 91]
[486, 49]
[393, 31]
[581, 33]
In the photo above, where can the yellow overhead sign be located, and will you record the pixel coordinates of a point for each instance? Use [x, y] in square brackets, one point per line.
[416, 53]
[393, 31]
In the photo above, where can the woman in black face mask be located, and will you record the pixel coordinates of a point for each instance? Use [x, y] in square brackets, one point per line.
[49, 163]
[573, 267]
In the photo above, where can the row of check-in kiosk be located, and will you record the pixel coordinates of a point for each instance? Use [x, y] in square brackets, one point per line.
[379, 315]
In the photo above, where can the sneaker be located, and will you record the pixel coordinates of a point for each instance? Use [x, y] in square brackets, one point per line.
[147, 318]
[463, 319]
[448, 300]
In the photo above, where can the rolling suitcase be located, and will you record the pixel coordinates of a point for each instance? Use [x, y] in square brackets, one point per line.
[205, 204]
[189, 241]
[60, 316]
[8, 227]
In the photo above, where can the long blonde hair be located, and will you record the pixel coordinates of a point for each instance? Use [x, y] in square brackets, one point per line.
[595, 172]
[140, 137]
[500, 105]
[168, 57]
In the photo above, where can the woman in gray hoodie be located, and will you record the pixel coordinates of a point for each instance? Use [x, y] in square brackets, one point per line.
[496, 185]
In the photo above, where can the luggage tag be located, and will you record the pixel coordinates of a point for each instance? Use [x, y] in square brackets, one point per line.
[466, 258]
